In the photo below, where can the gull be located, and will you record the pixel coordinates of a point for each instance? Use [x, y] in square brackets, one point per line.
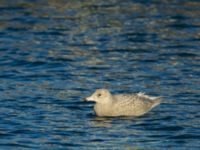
[122, 104]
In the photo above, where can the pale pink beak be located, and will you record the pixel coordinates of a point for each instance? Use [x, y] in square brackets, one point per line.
[88, 99]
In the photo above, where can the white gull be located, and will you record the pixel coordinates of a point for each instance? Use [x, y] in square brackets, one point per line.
[122, 104]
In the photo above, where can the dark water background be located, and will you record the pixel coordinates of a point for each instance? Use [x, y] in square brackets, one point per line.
[54, 53]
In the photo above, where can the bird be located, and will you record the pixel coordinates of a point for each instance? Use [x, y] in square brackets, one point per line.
[110, 105]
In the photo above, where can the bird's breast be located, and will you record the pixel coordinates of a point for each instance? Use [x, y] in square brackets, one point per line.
[103, 110]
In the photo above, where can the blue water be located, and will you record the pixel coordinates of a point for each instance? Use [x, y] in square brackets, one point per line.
[55, 53]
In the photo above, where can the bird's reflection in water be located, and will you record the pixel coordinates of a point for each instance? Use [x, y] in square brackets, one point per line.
[102, 122]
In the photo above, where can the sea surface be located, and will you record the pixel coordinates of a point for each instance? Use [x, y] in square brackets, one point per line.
[54, 53]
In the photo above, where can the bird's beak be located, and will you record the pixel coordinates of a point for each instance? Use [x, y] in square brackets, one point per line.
[85, 99]
[88, 99]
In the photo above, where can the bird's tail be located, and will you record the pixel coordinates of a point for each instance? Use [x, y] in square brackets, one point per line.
[159, 100]
[156, 101]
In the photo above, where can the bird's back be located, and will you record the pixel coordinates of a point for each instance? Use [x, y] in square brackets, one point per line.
[133, 104]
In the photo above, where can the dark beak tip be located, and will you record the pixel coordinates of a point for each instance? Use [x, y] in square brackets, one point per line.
[85, 99]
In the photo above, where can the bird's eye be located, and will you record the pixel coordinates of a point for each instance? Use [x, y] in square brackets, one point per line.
[99, 95]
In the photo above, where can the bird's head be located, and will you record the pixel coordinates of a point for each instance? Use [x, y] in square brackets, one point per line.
[100, 96]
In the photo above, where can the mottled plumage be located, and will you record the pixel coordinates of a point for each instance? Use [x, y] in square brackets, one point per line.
[122, 104]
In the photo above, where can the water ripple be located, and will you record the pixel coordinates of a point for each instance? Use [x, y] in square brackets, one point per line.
[53, 54]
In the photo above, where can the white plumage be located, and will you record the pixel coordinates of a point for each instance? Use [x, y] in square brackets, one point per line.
[122, 104]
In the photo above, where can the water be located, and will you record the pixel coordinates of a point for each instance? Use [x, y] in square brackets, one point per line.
[55, 53]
